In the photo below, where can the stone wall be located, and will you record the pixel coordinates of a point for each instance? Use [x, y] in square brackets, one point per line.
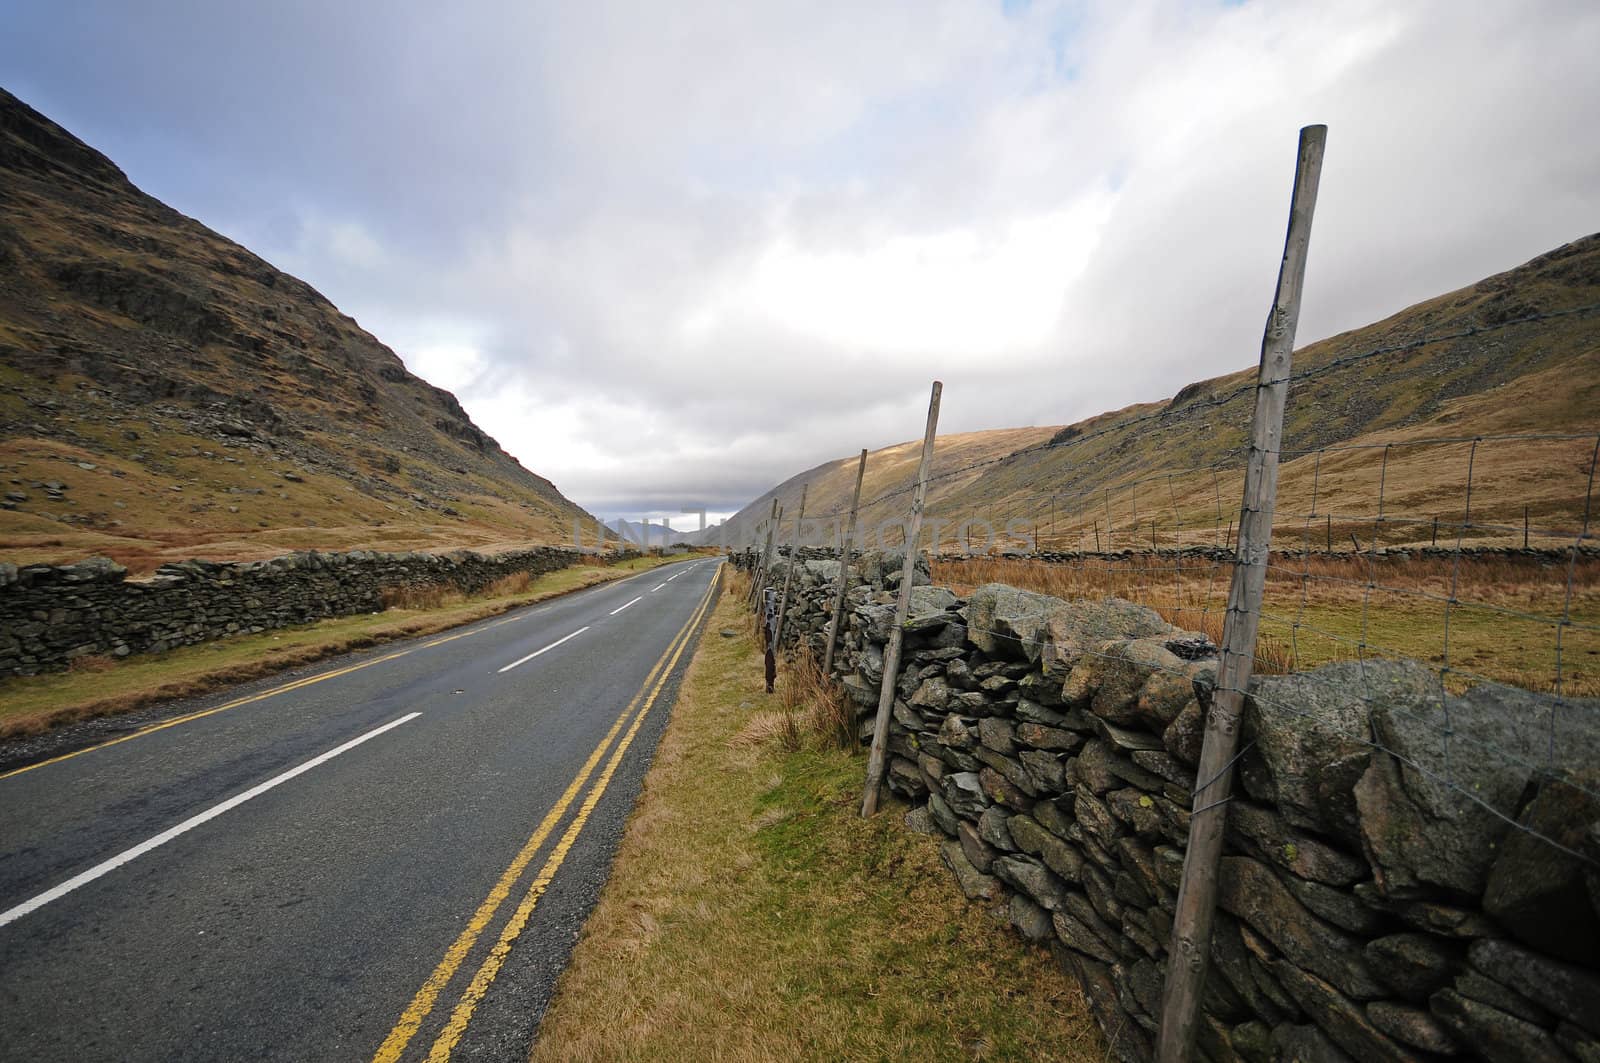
[1367, 910]
[51, 614]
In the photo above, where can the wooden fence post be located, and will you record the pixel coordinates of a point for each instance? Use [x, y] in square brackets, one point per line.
[844, 570]
[897, 635]
[1189, 951]
[788, 572]
[759, 573]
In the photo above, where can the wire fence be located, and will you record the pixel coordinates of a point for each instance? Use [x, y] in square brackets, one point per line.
[1472, 556]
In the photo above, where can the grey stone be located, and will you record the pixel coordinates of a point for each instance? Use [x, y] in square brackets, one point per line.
[1045, 770]
[1446, 920]
[1078, 936]
[1007, 622]
[1251, 891]
[964, 794]
[1343, 910]
[1535, 889]
[994, 828]
[943, 816]
[1031, 920]
[955, 733]
[1415, 965]
[932, 694]
[1268, 837]
[1185, 734]
[1123, 670]
[1252, 1041]
[1583, 1047]
[1031, 877]
[1055, 815]
[975, 884]
[999, 735]
[1411, 1026]
[1125, 739]
[920, 821]
[1000, 790]
[1072, 633]
[1428, 813]
[1486, 990]
[1304, 1044]
[980, 854]
[1029, 837]
[1493, 1035]
[1125, 1040]
[1343, 1021]
[1040, 736]
[1571, 992]
[1311, 733]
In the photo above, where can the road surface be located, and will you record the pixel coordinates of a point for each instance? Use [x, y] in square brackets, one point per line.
[386, 857]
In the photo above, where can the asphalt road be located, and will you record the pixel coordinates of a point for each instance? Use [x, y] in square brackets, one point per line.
[391, 861]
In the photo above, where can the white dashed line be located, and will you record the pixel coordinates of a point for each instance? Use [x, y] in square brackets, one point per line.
[553, 645]
[620, 608]
[189, 824]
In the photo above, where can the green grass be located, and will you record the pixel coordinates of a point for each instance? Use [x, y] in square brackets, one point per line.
[752, 915]
[103, 686]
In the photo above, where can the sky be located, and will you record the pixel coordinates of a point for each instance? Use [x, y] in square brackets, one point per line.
[672, 254]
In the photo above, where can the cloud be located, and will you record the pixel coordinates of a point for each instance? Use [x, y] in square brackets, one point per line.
[677, 253]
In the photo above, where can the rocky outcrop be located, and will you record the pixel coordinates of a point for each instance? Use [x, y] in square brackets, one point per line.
[1409, 873]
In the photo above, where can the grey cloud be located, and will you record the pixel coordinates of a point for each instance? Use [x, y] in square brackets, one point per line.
[585, 192]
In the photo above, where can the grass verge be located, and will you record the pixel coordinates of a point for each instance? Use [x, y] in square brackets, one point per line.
[102, 686]
[752, 915]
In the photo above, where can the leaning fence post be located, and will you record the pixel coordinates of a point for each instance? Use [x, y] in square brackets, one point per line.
[1189, 951]
[897, 635]
[788, 572]
[844, 569]
[755, 573]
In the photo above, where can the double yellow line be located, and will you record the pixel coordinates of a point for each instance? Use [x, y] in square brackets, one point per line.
[427, 997]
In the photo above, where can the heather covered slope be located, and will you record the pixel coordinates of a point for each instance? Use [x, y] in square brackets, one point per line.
[188, 398]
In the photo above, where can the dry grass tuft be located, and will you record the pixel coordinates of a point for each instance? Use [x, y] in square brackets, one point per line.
[92, 662]
[421, 596]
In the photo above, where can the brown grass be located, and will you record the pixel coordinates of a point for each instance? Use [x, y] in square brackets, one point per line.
[751, 914]
[1503, 613]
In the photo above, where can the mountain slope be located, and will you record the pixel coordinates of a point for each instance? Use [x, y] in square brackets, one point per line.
[1385, 404]
[190, 398]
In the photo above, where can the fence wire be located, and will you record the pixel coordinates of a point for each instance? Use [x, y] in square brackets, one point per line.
[1472, 555]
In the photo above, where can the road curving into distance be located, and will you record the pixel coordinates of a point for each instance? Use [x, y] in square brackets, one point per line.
[388, 858]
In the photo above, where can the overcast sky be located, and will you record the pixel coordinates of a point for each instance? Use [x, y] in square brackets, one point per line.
[672, 253]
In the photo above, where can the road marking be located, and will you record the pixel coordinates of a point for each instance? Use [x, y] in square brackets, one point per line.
[490, 969]
[553, 645]
[152, 729]
[620, 608]
[189, 824]
[675, 575]
[427, 996]
[298, 683]
[657, 587]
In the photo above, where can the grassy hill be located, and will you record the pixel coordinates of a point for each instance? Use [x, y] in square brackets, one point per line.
[1366, 428]
[164, 393]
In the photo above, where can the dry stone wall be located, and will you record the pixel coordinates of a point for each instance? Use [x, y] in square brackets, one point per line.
[51, 614]
[1367, 910]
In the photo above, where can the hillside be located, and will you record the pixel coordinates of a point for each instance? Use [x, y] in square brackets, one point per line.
[1179, 461]
[164, 393]
[832, 483]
